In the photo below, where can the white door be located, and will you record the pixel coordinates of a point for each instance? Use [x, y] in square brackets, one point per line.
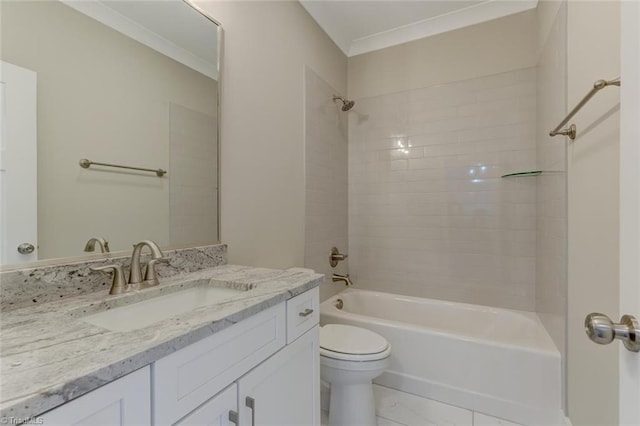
[630, 204]
[18, 165]
[285, 389]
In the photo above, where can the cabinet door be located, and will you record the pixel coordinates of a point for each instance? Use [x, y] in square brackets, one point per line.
[214, 412]
[126, 401]
[284, 390]
[188, 378]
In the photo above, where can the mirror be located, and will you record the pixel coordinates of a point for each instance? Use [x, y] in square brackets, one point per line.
[121, 83]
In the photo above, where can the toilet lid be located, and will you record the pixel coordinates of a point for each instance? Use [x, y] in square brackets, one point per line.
[346, 339]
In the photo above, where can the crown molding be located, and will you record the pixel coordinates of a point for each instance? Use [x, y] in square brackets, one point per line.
[483, 12]
[111, 18]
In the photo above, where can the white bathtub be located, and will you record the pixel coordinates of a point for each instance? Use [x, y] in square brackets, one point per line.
[495, 361]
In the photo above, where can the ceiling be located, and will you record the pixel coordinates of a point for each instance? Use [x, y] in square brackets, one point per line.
[361, 26]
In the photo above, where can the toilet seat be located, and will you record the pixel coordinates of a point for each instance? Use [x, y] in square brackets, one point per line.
[348, 343]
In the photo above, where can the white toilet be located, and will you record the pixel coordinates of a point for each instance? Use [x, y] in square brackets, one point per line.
[350, 358]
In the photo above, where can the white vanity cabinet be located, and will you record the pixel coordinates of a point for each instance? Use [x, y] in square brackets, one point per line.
[192, 375]
[284, 390]
[280, 381]
[123, 402]
[214, 412]
[265, 369]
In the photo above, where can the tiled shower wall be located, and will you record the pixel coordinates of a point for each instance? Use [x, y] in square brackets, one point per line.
[325, 180]
[429, 214]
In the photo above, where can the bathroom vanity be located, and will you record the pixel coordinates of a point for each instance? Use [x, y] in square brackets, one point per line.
[249, 359]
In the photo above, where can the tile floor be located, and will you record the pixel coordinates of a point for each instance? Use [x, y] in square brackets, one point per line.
[396, 408]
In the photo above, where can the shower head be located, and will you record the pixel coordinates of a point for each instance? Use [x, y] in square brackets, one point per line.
[346, 104]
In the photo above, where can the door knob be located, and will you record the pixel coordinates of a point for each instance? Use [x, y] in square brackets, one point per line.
[26, 248]
[603, 331]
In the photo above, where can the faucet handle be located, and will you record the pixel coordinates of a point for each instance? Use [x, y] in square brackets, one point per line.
[119, 280]
[150, 272]
[336, 256]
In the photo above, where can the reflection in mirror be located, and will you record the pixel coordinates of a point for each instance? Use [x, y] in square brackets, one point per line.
[130, 83]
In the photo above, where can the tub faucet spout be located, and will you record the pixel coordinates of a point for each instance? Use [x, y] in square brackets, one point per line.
[345, 278]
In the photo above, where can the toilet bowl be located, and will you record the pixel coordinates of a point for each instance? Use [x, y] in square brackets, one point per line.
[350, 358]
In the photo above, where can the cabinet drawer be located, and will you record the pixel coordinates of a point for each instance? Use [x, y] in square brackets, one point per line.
[187, 378]
[303, 312]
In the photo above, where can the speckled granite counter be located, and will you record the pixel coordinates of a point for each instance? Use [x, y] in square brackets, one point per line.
[49, 356]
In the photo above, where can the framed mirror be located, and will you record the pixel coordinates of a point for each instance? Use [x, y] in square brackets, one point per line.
[109, 126]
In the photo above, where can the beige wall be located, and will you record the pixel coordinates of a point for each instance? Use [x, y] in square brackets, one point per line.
[551, 191]
[325, 181]
[593, 53]
[266, 46]
[104, 97]
[492, 47]
[547, 12]
[193, 186]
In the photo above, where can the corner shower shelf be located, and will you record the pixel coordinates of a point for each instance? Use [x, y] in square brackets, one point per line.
[522, 174]
[534, 173]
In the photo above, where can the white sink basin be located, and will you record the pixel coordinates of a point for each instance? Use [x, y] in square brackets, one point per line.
[150, 311]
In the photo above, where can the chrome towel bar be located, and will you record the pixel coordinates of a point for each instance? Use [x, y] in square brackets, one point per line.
[571, 130]
[85, 164]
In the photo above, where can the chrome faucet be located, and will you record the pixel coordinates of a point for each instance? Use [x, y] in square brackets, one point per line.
[102, 243]
[136, 280]
[337, 277]
[135, 272]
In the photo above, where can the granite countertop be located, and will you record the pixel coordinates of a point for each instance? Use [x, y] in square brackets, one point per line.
[49, 355]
